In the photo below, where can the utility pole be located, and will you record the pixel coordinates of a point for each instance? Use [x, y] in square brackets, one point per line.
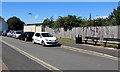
[90, 20]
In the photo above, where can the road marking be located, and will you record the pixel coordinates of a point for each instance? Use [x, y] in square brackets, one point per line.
[102, 47]
[91, 52]
[39, 61]
[4, 67]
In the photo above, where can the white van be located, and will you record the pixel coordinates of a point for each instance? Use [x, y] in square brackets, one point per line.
[44, 38]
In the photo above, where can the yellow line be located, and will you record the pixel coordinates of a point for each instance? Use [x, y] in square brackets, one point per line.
[39, 61]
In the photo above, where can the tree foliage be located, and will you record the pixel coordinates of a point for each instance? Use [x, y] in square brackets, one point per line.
[1, 18]
[15, 23]
[67, 22]
[48, 22]
[100, 22]
[115, 16]
[70, 21]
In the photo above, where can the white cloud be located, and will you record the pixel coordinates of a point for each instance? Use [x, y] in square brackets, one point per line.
[36, 17]
[101, 17]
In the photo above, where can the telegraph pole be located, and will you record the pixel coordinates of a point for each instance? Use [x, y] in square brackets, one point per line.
[90, 20]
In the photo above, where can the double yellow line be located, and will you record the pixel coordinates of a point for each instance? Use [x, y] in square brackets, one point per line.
[39, 61]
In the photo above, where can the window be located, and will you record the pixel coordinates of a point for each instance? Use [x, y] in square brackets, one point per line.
[37, 34]
[18, 32]
[30, 33]
[46, 35]
[23, 34]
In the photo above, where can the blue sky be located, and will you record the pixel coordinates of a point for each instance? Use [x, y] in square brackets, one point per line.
[42, 10]
[59, 0]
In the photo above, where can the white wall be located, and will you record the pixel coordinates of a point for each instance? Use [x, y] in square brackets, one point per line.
[3, 26]
[32, 28]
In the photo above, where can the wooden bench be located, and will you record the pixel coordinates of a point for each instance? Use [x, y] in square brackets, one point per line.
[112, 41]
[94, 39]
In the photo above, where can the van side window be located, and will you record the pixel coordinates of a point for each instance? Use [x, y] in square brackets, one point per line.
[37, 34]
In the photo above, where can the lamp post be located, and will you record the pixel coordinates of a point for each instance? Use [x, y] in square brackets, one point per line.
[30, 15]
[30, 19]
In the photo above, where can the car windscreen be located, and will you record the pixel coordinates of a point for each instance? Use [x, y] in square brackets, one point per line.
[46, 35]
[30, 33]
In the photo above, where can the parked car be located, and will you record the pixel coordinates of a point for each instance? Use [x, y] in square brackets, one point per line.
[16, 34]
[0, 33]
[9, 34]
[44, 38]
[4, 33]
[26, 36]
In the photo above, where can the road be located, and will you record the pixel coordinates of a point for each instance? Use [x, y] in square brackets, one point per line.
[56, 57]
[99, 49]
[16, 61]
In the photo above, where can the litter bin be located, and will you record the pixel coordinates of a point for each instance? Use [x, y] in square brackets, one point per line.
[78, 39]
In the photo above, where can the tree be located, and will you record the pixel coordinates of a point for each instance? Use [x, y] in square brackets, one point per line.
[116, 14]
[68, 22]
[114, 18]
[1, 18]
[59, 22]
[15, 23]
[99, 22]
[84, 23]
[48, 22]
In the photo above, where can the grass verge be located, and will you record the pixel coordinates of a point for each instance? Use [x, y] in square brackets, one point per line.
[69, 40]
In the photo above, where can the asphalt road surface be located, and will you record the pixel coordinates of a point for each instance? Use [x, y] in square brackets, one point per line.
[93, 48]
[16, 61]
[56, 56]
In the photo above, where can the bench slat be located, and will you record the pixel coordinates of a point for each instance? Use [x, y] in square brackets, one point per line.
[112, 39]
[94, 39]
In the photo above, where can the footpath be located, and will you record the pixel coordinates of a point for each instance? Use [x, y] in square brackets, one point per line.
[100, 49]
[2, 66]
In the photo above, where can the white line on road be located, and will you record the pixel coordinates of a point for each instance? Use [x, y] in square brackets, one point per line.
[90, 52]
[39, 61]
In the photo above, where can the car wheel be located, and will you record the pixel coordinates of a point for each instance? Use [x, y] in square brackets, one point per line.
[43, 44]
[19, 38]
[33, 41]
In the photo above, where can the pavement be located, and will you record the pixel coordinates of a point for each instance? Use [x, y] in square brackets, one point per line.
[2, 65]
[100, 49]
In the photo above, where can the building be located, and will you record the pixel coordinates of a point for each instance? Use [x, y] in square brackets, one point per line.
[37, 27]
[3, 25]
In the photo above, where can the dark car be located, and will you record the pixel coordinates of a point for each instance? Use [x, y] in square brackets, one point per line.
[26, 36]
[0, 33]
